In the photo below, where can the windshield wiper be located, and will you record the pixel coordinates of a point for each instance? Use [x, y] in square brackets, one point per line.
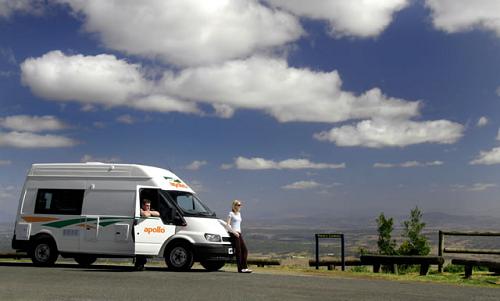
[207, 213]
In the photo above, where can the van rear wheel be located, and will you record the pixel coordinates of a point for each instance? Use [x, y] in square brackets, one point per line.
[85, 260]
[43, 252]
[212, 265]
[179, 257]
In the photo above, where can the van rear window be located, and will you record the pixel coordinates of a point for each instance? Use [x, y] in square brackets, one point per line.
[59, 201]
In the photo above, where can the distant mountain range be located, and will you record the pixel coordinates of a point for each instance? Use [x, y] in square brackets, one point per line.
[433, 220]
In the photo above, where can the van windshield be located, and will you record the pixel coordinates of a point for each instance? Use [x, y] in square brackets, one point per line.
[188, 203]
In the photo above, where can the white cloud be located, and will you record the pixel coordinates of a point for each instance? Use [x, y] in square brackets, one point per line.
[126, 119]
[8, 54]
[101, 79]
[259, 83]
[463, 15]
[302, 185]
[361, 18]
[226, 166]
[261, 164]
[196, 186]
[393, 133]
[9, 196]
[407, 164]
[384, 165]
[30, 140]
[488, 157]
[32, 123]
[420, 164]
[481, 186]
[5, 162]
[196, 165]
[474, 187]
[287, 93]
[90, 158]
[187, 32]
[99, 124]
[9, 7]
[482, 121]
[6, 191]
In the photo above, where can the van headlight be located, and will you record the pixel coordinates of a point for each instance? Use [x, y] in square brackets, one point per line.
[213, 237]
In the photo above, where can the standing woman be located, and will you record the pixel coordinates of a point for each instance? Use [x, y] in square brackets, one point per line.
[234, 222]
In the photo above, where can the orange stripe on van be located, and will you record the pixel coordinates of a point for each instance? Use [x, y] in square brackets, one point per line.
[37, 219]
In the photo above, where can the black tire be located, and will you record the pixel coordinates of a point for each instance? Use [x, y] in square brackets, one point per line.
[179, 257]
[43, 252]
[212, 265]
[85, 260]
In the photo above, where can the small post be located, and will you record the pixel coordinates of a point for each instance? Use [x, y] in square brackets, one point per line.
[317, 251]
[440, 249]
[468, 271]
[342, 251]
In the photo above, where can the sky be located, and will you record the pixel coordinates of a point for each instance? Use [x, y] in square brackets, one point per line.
[319, 108]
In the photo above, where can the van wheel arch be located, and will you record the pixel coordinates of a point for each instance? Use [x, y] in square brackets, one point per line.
[43, 250]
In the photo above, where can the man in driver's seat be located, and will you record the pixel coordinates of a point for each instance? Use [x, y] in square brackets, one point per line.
[146, 209]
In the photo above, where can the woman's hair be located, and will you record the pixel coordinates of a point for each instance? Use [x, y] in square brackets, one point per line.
[235, 203]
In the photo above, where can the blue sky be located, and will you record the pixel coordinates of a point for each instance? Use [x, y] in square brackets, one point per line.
[324, 108]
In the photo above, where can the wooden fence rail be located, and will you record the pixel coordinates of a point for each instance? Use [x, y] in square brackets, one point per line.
[423, 261]
[260, 262]
[442, 249]
[332, 263]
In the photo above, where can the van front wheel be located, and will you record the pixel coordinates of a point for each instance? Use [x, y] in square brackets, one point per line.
[179, 257]
[43, 252]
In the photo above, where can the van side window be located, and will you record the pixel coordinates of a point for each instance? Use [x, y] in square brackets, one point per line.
[59, 201]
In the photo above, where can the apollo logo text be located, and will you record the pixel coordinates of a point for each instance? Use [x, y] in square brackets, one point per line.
[150, 230]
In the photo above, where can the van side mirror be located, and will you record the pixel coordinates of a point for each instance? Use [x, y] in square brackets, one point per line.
[175, 218]
[179, 221]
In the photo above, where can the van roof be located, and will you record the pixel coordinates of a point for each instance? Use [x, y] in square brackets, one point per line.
[98, 169]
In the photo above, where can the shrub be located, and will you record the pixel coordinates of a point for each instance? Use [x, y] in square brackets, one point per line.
[386, 245]
[415, 243]
[454, 268]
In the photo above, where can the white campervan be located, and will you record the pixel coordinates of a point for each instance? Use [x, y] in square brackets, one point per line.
[90, 210]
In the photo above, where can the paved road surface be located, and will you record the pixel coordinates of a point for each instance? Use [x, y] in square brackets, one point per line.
[19, 281]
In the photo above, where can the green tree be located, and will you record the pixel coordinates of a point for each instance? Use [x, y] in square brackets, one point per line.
[415, 243]
[386, 245]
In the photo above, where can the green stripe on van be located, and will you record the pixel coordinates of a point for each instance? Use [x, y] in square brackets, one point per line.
[65, 223]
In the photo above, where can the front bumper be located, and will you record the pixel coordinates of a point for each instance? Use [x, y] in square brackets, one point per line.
[217, 252]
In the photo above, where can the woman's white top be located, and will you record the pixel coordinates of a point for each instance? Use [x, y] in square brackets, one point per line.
[235, 221]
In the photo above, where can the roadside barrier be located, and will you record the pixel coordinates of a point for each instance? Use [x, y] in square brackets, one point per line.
[423, 261]
[442, 249]
[333, 263]
[260, 262]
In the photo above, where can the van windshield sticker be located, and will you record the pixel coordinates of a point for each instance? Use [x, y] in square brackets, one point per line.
[176, 183]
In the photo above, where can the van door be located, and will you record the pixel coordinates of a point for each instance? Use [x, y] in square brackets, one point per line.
[90, 234]
[151, 232]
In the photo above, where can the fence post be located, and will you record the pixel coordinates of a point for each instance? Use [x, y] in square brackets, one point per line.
[317, 251]
[440, 249]
[342, 251]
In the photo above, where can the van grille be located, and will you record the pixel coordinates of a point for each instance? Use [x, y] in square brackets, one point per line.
[226, 239]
